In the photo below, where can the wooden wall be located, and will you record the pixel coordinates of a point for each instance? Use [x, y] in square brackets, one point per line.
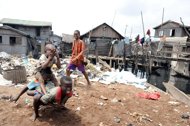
[179, 32]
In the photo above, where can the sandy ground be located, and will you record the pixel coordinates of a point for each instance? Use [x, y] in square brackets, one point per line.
[89, 109]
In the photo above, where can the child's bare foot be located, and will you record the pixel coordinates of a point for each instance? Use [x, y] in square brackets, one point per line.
[34, 117]
[88, 85]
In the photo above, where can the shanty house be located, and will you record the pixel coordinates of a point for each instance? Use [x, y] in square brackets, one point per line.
[171, 29]
[176, 45]
[99, 39]
[37, 29]
[66, 45]
[14, 41]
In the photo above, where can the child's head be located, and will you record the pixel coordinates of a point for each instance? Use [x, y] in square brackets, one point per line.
[76, 34]
[50, 49]
[66, 82]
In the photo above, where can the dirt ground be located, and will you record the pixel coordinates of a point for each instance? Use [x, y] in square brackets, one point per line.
[88, 108]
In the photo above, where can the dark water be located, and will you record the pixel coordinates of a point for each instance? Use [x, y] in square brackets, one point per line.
[160, 75]
[157, 77]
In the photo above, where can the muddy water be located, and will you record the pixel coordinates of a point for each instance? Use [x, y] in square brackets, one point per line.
[157, 77]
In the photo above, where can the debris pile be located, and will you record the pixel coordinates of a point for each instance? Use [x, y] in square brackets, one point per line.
[99, 73]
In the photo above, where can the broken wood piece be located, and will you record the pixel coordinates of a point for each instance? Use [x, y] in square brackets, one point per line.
[176, 93]
[110, 52]
[104, 64]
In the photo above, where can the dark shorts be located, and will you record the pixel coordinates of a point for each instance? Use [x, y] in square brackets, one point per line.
[79, 67]
[43, 78]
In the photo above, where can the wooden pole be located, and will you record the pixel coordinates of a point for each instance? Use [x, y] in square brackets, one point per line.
[143, 24]
[89, 37]
[131, 32]
[96, 51]
[113, 19]
[124, 52]
[162, 20]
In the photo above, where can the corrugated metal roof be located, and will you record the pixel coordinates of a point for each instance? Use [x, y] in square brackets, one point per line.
[24, 22]
[170, 21]
[86, 34]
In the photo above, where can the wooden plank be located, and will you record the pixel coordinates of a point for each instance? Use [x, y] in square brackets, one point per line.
[176, 93]
[110, 62]
[154, 88]
[170, 52]
[171, 58]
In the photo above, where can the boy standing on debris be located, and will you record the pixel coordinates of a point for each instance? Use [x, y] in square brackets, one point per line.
[44, 72]
[57, 95]
[77, 58]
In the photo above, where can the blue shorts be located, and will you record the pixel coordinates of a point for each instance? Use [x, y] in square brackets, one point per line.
[33, 85]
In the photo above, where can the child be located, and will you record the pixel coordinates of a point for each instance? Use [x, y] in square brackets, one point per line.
[77, 58]
[44, 72]
[57, 95]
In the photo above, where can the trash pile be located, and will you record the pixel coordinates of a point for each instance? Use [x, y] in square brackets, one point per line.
[98, 73]
[123, 77]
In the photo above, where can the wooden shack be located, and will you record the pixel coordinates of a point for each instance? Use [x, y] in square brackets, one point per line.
[39, 30]
[66, 44]
[99, 39]
[15, 42]
[175, 49]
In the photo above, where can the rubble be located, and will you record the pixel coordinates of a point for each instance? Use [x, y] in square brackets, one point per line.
[4, 56]
[97, 73]
[5, 97]
[100, 103]
[104, 98]
[4, 82]
[141, 117]
[174, 103]
[123, 77]
[115, 100]
[185, 116]
[117, 119]
[129, 124]
[78, 109]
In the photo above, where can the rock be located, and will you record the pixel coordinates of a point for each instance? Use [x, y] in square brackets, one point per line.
[154, 110]
[174, 103]
[160, 124]
[4, 97]
[117, 120]
[185, 116]
[129, 124]
[4, 55]
[78, 109]
[101, 124]
[176, 110]
[115, 100]
[104, 98]
[100, 103]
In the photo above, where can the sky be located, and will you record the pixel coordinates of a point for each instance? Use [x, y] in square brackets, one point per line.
[69, 15]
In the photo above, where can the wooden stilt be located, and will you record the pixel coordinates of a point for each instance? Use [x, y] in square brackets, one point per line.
[110, 62]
